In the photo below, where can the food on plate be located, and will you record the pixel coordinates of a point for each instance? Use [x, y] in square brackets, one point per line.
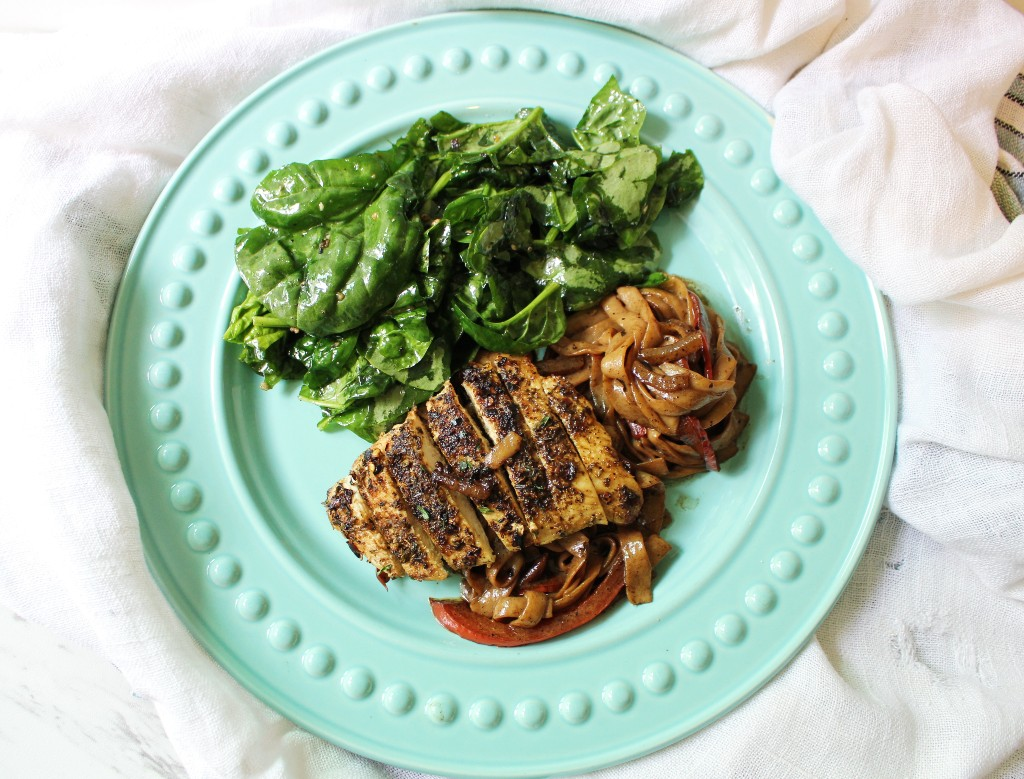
[371, 278]
[541, 483]
[459, 616]
[435, 491]
[660, 373]
[505, 477]
[463, 443]
[409, 288]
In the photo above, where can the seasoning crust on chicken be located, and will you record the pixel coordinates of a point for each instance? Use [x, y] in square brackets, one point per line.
[464, 446]
[499, 459]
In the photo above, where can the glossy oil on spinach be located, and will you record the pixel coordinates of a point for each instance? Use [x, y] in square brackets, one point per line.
[372, 277]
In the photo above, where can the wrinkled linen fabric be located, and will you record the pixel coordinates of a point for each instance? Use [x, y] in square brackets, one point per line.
[884, 126]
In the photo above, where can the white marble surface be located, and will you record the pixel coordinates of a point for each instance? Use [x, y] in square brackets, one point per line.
[66, 712]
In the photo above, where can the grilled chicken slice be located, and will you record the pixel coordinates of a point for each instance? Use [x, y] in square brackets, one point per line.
[463, 444]
[405, 507]
[573, 496]
[499, 418]
[447, 516]
[405, 537]
[348, 513]
[616, 487]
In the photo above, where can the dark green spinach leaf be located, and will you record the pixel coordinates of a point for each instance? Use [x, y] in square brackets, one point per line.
[539, 323]
[374, 276]
[361, 380]
[586, 275]
[399, 342]
[300, 195]
[369, 419]
[612, 118]
[325, 359]
[266, 348]
[615, 198]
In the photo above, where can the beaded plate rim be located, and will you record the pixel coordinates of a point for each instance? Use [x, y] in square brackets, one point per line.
[535, 712]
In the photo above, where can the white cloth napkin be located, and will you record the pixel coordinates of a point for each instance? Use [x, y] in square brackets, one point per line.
[884, 125]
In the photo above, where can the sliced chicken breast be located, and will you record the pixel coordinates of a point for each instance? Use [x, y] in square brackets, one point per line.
[466, 449]
[616, 487]
[348, 513]
[500, 418]
[406, 538]
[448, 516]
[573, 496]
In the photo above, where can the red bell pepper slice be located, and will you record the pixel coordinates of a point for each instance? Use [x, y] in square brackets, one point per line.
[638, 431]
[456, 616]
[691, 427]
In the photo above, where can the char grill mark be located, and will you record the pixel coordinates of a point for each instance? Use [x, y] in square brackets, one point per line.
[617, 488]
[464, 446]
[574, 499]
[405, 536]
[448, 517]
[405, 505]
[499, 418]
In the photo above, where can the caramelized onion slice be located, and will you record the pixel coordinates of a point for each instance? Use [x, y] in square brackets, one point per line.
[471, 488]
[700, 316]
[534, 571]
[659, 380]
[504, 572]
[502, 450]
[675, 350]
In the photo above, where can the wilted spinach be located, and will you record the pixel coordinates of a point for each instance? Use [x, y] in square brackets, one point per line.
[372, 277]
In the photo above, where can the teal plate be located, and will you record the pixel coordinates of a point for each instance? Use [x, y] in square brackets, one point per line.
[229, 480]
